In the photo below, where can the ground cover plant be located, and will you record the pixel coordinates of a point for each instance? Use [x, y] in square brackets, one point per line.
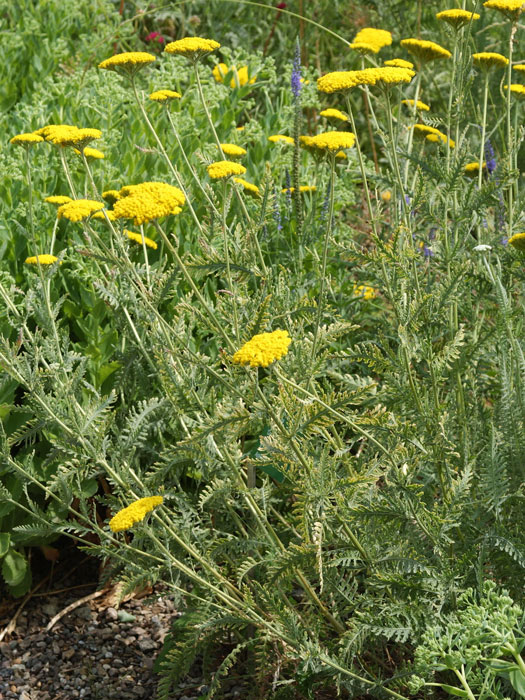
[262, 340]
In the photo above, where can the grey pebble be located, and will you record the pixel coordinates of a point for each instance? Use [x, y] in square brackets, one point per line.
[111, 613]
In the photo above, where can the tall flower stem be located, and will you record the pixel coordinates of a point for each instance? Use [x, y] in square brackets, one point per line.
[510, 214]
[174, 172]
[483, 129]
[227, 259]
[411, 129]
[218, 326]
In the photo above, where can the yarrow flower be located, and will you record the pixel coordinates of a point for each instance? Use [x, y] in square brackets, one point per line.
[432, 134]
[420, 105]
[399, 63]
[104, 215]
[334, 114]
[517, 90]
[473, 168]
[67, 135]
[488, 59]
[281, 138]
[138, 238]
[263, 349]
[43, 259]
[127, 63]
[386, 75]
[365, 291]
[510, 8]
[457, 18]
[148, 201]
[58, 199]
[232, 150]
[425, 50]
[111, 196]
[240, 76]
[438, 137]
[331, 141]
[346, 80]
[193, 47]
[518, 241]
[370, 40]
[302, 188]
[26, 139]
[134, 513]
[519, 66]
[224, 168]
[78, 209]
[91, 153]
[248, 187]
[164, 95]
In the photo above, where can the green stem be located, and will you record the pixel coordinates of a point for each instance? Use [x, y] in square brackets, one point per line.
[411, 129]
[227, 260]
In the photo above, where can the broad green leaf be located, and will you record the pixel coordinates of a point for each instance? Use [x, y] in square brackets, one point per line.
[14, 567]
[5, 539]
[517, 680]
[452, 690]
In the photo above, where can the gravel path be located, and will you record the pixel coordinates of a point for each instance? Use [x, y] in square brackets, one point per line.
[94, 652]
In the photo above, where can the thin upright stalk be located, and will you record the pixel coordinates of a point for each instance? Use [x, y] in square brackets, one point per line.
[227, 260]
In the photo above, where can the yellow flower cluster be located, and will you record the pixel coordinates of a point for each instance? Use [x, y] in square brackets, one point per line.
[111, 196]
[457, 18]
[520, 67]
[134, 513]
[425, 50]
[420, 105]
[224, 168]
[78, 209]
[164, 95]
[516, 89]
[302, 188]
[232, 150]
[26, 139]
[104, 215]
[58, 199]
[487, 59]
[247, 186]
[331, 141]
[518, 241]
[432, 134]
[511, 8]
[66, 135]
[139, 239]
[370, 40]
[148, 201]
[42, 259]
[91, 153]
[365, 291]
[399, 63]
[345, 80]
[263, 349]
[240, 76]
[473, 168]
[281, 138]
[130, 60]
[192, 47]
[334, 114]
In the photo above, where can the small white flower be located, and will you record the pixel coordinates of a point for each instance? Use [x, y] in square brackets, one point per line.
[482, 247]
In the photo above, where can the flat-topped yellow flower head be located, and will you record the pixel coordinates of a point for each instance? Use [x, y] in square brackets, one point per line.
[302, 188]
[334, 114]
[104, 215]
[457, 18]
[281, 138]
[248, 187]
[79, 209]
[365, 291]
[232, 150]
[439, 137]
[331, 141]
[42, 259]
[127, 63]
[134, 513]
[240, 77]
[510, 8]
[518, 241]
[148, 201]
[424, 50]
[342, 80]
[472, 169]
[224, 168]
[370, 40]
[517, 90]
[26, 140]
[388, 75]
[164, 95]
[488, 59]
[93, 153]
[67, 135]
[138, 238]
[193, 47]
[263, 349]
[425, 129]
[111, 196]
[419, 105]
[399, 63]
[58, 199]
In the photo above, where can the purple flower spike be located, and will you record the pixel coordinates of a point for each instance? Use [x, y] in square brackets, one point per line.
[296, 72]
[490, 157]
